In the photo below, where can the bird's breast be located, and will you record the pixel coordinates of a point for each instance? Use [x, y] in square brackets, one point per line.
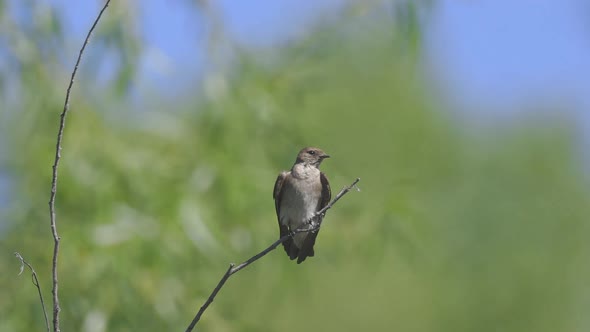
[300, 200]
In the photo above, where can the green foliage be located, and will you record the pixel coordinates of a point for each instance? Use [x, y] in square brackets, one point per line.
[451, 231]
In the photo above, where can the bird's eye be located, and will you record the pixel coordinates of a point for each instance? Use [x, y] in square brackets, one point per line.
[311, 152]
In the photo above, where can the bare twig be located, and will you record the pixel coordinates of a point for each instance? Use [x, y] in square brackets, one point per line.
[35, 281]
[56, 238]
[318, 218]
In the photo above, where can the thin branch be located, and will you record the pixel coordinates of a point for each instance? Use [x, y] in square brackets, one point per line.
[315, 223]
[340, 194]
[35, 281]
[56, 238]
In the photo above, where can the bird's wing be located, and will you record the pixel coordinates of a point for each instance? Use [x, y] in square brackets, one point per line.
[326, 192]
[277, 192]
[290, 247]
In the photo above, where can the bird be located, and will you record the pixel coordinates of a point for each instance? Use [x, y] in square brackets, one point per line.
[298, 195]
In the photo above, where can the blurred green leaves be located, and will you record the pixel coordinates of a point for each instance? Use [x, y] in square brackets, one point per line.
[452, 231]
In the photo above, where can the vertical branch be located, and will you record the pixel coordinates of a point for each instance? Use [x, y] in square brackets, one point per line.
[62, 122]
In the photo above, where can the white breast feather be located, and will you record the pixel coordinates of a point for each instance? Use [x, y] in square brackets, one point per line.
[299, 203]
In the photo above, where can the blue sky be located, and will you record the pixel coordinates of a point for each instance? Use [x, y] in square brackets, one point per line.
[501, 56]
[489, 58]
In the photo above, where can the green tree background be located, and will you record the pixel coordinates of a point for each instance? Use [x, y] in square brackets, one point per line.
[454, 229]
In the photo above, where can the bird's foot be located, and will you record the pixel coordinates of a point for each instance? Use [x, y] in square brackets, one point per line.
[313, 223]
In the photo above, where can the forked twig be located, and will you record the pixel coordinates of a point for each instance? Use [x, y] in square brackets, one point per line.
[315, 223]
[62, 122]
[35, 281]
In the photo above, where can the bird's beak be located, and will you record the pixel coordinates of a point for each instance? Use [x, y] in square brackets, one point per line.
[325, 156]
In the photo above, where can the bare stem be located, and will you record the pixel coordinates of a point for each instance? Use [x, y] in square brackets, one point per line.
[35, 281]
[234, 269]
[62, 122]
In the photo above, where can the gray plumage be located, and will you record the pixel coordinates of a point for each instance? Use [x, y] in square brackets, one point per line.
[299, 194]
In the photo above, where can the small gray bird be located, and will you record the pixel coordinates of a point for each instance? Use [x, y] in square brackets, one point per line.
[298, 195]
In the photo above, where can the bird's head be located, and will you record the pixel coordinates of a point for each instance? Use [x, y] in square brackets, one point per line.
[311, 156]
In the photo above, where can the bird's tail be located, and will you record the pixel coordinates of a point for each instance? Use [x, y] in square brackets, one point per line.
[307, 247]
[291, 249]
